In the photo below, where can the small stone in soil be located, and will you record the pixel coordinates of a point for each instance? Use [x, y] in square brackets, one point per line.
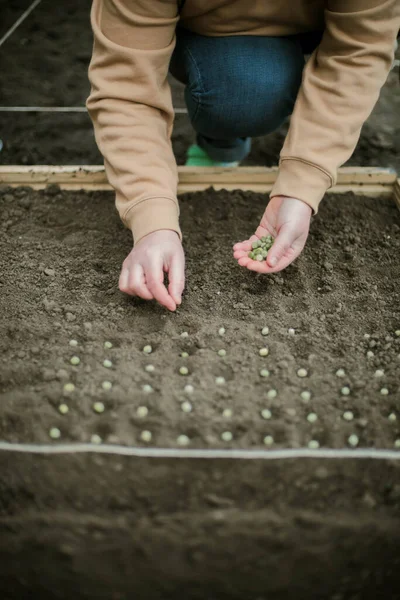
[291, 331]
[184, 334]
[50, 272]
[379, 373]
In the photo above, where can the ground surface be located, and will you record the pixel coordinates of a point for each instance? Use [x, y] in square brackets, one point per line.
[44, 63]
[59, 272]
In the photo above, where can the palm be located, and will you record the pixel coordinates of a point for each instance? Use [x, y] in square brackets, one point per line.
[287, 220]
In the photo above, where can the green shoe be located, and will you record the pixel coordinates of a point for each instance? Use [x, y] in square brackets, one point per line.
[197, 157]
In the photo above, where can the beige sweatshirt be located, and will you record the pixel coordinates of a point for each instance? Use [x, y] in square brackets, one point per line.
[131, 107]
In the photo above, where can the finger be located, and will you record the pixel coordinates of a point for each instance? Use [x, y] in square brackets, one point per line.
[123, 283]
[176, 276]
[137, 283]
[240, 253]
[154, 279]
[246, 244]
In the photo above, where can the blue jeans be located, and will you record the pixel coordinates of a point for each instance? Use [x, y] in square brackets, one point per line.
[238, 87]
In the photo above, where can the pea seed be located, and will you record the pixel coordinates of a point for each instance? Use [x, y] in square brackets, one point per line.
[397, 333]
[348, 415]
[312, 417]
[305, 395]
[147, 349]
[95, 439]
[345, 391]
[268, 440]
[184, 354]
[397, 443]
[55, 433]
[108, 345]
[106, 385]
[222, 352]
[302, 372]
[184, 334]
[69, 387]
[189, 389]
[266, 414]
[265, 331]
[384, 391]
[149, 368]
[73, 343]
[264, 373]
[271, 394]
[291, 331]
[340, 373]
[63, 408]
[263, 352]
[259, 258]
[392, 417]
[183, 440]
[227, 436]
[353, 440]
[220, 380]
[251, 255]
[146, 436]
[186, 407]
[221, 331]
[107, 363]
[313, 444]
[227, 413]
[147, 388]
[183, 370]
[99, 407]
[370, 354]
[379, 373]
[75, 360]
[142, 411]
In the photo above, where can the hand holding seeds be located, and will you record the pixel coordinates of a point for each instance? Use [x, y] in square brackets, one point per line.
[283, 232]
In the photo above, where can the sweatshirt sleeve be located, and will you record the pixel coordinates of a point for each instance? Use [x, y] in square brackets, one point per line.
[341, 84]
[130, 105]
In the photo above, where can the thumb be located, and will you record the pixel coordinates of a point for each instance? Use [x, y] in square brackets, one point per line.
[281, 245]
[176, 276]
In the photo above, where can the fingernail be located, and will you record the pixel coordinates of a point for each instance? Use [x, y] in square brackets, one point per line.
[273, 261]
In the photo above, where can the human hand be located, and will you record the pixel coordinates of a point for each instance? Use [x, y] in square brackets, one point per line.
[143, 269]
[288, 221]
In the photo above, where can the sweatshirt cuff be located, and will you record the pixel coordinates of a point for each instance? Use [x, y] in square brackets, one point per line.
[152, 214]
[301, 180]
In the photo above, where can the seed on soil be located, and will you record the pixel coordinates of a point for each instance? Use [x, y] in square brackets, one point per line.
[183, 370]
[313, 444]
[302, 372]
[305, 395]
[142, 411]
[397, 333]
[183, 440]
[397, 443]
[184, 354]
[222, 352]
[227, 413]
[189, 389]
[147, 388]
[107, 363]
[345, 391]
[268, 440]
[147, 349]
[370, 354]
[73, 343]
[348, 415]
[227, 436]
[108, 345]
[55, 433]
[291, 331]
[95, 439]
[99, 407]
[149, 368]
[340, 373]
[220, 380]
[75, 360]
[353, 440]
[264, 373]
[146, 436]
[271, 394]
[69, 387]
[186, 407]
[265, 331]
[263, 352]
[379, 373]
[221, 331]
[384, 391]
[392, 417]
[184, 334]
[106, 385]
[266, 413]
[63, 409]
[312, 417]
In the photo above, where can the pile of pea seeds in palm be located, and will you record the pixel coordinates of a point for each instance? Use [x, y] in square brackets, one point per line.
[260, 248]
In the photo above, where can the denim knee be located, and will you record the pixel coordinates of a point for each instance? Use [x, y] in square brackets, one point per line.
[240, 86]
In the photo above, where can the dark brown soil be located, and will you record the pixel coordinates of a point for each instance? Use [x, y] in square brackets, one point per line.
[60, 259]
[44, 63]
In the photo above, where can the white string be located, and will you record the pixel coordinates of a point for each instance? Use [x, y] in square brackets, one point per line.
[60, 109]
[364, 453]
[19, 21]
